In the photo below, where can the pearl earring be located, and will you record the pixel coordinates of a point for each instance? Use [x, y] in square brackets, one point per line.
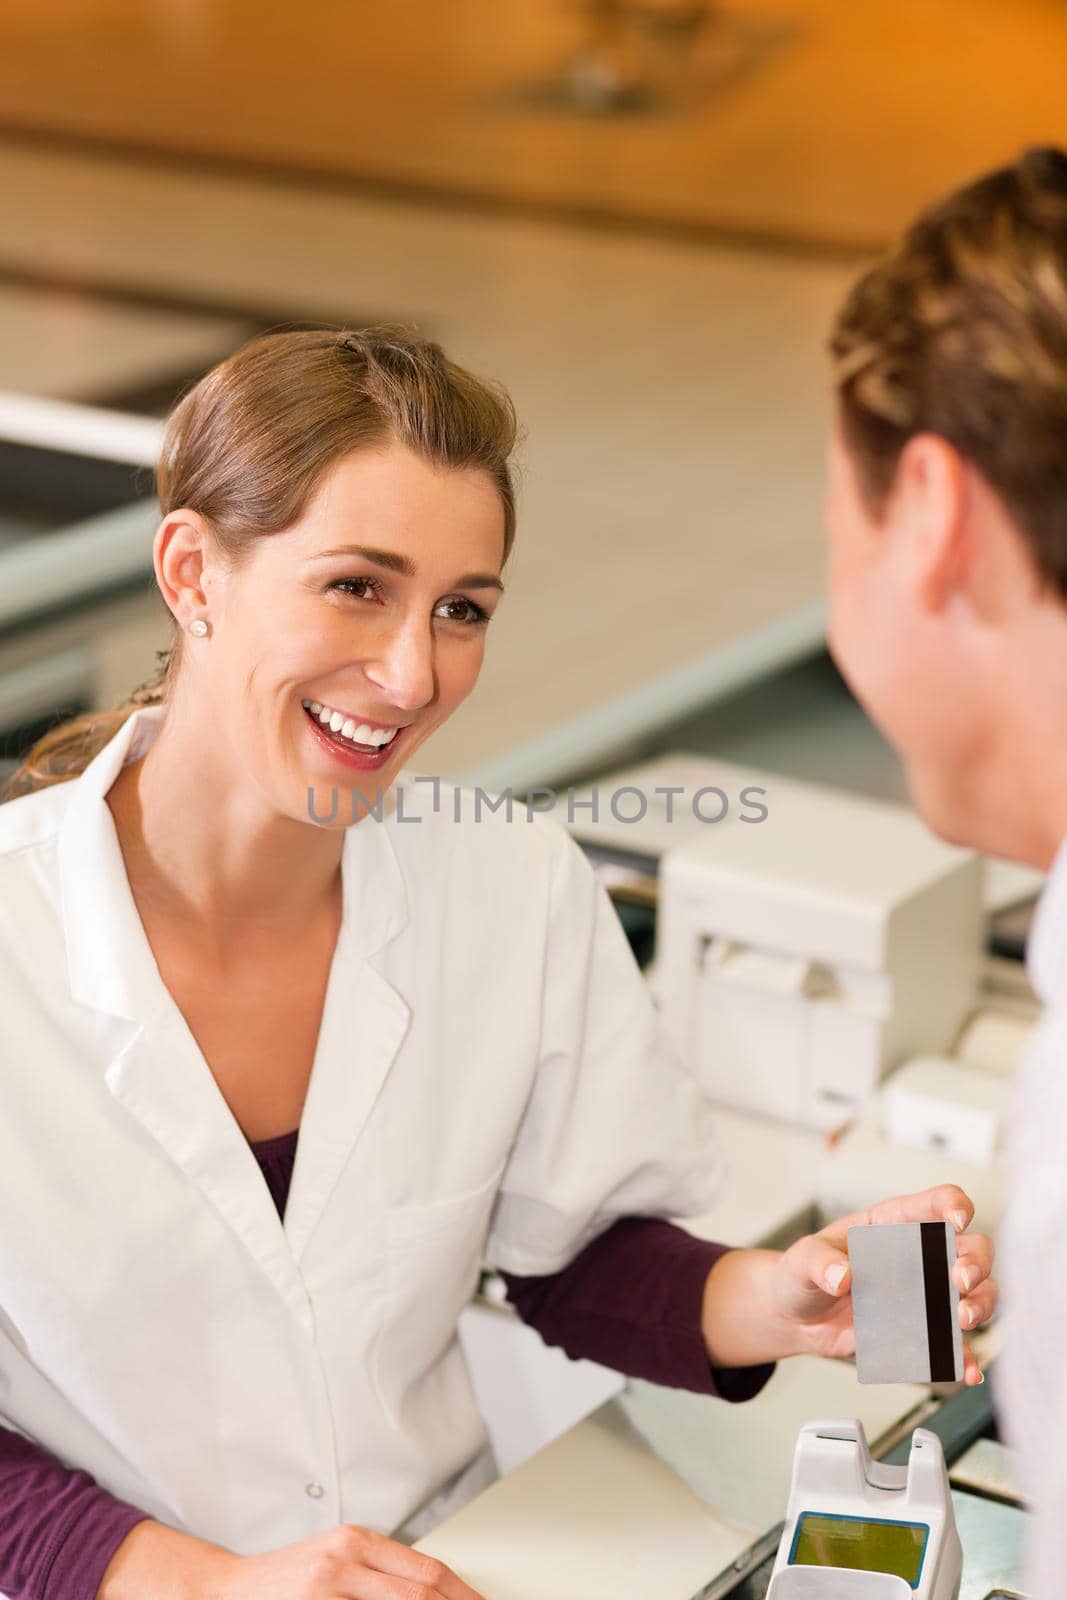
[198, 626]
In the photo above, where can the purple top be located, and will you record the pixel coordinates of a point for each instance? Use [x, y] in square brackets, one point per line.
[631, 1300]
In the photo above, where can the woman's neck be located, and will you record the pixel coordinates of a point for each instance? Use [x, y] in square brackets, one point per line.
[204, 850]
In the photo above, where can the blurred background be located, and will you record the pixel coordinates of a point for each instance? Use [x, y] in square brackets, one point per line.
[639, 214]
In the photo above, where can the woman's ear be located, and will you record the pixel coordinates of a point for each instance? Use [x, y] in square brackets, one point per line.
[181, 552]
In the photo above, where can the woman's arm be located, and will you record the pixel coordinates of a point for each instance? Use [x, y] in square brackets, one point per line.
[633, 1300]
[651, 1301]
[59, 1529]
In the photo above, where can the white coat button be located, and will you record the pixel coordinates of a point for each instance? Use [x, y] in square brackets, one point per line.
[315, 1490]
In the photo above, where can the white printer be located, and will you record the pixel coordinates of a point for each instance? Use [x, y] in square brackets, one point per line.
[803, 953]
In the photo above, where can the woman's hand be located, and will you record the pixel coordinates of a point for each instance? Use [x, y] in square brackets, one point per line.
[760, 1305]
[346, 1563]
[814, 1287]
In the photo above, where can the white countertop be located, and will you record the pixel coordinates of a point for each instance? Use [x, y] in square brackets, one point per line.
[656, 1493]
[659, 1491]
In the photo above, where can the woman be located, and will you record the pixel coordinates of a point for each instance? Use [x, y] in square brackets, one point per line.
[426, 1035]
[947, 517]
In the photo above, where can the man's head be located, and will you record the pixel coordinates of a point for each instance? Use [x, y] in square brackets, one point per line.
[946, 506]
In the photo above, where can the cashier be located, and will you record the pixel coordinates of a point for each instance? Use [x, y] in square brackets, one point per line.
[281, 1073]
[946, 509]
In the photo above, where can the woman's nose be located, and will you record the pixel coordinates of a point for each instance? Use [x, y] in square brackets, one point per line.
[403, 666]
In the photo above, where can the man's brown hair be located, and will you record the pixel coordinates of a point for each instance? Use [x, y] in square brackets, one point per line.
[961, 331]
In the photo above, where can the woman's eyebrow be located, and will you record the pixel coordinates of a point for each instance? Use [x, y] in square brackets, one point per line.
[395, 562]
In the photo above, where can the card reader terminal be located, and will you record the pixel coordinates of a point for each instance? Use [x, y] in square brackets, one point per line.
[858, 1530]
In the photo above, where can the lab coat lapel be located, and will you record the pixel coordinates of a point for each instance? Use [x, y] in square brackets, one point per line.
[365, 1021]
[155, 1068]
[110, 964]
[162, 1079]
[153, 1065]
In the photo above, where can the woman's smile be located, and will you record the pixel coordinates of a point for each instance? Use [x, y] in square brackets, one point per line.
[336, 734]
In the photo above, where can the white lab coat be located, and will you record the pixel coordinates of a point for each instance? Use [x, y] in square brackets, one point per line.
[490, 1084]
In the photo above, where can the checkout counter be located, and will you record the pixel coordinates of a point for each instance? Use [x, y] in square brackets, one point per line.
[662, 1499]
[849, 950]
[664, 1495]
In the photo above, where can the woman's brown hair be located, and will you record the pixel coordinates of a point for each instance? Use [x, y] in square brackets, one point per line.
[248, 444]
[962, 331]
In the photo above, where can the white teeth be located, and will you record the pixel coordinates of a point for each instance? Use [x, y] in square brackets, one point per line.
[347, 727]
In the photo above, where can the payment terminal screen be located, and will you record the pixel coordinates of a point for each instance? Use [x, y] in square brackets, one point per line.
[870, 1546]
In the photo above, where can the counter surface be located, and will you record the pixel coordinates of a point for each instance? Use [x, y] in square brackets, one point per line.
[657, 1493]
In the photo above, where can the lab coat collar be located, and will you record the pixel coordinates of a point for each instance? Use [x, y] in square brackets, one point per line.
[110, 963]
[154, 1067]
[1046, 950]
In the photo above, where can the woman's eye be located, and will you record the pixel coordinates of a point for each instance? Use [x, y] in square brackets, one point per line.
[459, 609]
[369, 583]
[473, 614]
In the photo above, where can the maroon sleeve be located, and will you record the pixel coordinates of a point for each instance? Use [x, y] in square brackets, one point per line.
[632, 1301]
[58, 1528]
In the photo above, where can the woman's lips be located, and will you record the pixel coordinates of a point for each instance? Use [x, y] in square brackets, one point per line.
[362, 758]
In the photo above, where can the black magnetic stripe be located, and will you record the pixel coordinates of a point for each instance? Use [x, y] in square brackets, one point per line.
[938, 1303]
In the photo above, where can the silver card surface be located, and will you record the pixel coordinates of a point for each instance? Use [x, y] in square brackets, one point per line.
[904, 1303]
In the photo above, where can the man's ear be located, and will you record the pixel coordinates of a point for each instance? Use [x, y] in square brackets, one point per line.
[928, 507]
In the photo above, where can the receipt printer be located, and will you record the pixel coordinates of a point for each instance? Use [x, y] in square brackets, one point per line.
[806, 949]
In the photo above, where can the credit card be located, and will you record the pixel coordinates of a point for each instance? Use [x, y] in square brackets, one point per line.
[904, 1303]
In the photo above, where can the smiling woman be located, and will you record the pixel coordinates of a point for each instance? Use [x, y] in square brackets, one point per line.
[275, 1087]
[252, 445]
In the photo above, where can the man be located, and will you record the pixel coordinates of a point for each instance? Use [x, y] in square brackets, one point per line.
[946, 510]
